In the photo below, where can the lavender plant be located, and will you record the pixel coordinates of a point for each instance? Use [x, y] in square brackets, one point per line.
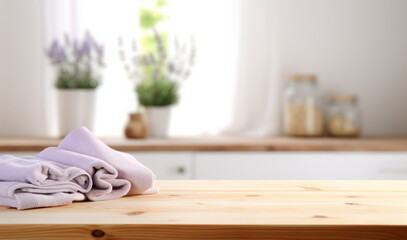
[157, 74]
[77, 62]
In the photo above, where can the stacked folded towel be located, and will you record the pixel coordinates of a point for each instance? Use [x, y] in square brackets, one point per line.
[81, 167]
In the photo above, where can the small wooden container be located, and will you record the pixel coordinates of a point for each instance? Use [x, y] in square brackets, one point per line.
[136, 126]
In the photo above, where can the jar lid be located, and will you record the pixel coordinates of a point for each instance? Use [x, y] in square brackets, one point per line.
[344, 98]
[303, 77]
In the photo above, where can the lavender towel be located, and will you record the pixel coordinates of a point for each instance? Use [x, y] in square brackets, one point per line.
[114, 173]
[106, 185]
[81, 165]
[141, 178]
[30, 182]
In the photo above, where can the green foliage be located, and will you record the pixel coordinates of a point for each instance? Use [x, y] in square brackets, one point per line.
[154, 92]
[71, 79]
[156, 73]
[161, 3]
[150, 18]
[160, 92]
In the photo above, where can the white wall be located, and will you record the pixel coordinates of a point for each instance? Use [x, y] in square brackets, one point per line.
[21, 68]
[355, 46]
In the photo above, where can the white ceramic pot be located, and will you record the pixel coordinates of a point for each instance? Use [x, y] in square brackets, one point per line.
[76, 108]
[158, 119]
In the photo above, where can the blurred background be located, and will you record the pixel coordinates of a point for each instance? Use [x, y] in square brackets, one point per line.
[245, 52]
[231, 89]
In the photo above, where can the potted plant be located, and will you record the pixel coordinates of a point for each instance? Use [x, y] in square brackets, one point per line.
[157, 70]
[157, 96]
[77, 64]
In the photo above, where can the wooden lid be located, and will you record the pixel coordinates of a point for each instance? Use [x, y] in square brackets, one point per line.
[303, 77]
[344, 98]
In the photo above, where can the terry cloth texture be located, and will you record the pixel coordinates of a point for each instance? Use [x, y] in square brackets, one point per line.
[30, 182]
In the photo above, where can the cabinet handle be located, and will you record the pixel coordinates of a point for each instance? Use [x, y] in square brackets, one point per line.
[181, 170]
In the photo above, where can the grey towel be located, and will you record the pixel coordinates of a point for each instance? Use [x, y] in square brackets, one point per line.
[30, 182]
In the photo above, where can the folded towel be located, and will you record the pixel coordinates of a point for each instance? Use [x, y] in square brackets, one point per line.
[81, 167]
[30, 182]
[24, 196]
[106, 185]
[81, 140]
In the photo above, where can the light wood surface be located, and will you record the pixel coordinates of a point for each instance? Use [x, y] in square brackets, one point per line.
[227, 210]
[224, 144]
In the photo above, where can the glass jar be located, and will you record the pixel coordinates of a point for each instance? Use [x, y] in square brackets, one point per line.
[343, 116]
[303, 115]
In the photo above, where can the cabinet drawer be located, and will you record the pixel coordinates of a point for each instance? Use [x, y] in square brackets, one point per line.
[167, 165]
[301, 165]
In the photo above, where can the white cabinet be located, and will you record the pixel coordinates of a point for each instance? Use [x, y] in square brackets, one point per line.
[20, 153]
[301, 165]
[272, 165]
[167, 165]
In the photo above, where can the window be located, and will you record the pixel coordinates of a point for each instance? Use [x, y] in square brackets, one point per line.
[205, 98]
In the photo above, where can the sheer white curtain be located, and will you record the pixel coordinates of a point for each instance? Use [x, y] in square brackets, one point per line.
[108, 20]
[206, 100]
[256, 103]
[236, 84]
[58, 19]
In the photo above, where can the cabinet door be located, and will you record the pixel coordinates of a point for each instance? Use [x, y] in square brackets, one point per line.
[19, 153]
[301, 165]
[167, 165]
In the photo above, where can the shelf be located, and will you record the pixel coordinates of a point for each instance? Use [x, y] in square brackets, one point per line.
[224, 144]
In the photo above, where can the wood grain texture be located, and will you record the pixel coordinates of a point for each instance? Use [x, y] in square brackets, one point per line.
[227, 210]
[224, 144]
[198, 232]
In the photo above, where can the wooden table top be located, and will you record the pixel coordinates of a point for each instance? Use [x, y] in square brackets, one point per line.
[224, 144]
[227, 209]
